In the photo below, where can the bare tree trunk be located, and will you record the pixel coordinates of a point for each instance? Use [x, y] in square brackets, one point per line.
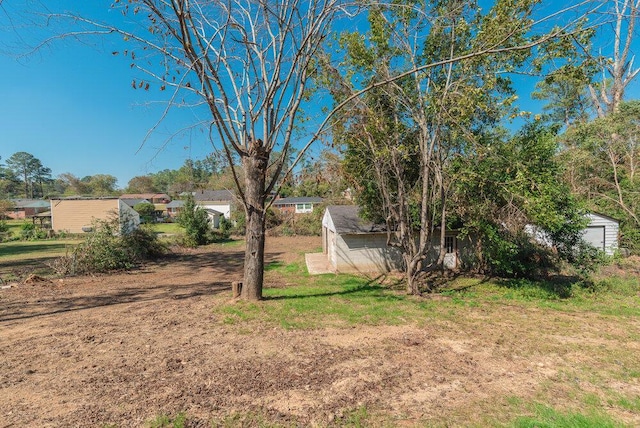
[255, 166]
[412, 264]
[443, 224]
[619, 69]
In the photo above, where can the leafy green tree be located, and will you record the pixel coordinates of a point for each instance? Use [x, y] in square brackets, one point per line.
[564, 91]
[8, 182]
[163, 181]
[319, 176]
[42, 178]
[604, 167]
[401, 137]
[195, 222]
[141, 184]
[25, 166]
[70, 185]
[146, 211]
[508, 185]
[101, 184]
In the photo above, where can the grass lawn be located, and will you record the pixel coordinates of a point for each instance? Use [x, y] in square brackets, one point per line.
[32, 256]
[588, 391]
[14, 226]
[167, 228]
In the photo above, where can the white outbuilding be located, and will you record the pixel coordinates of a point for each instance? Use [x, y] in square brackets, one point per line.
[352, 244]
[602, 232]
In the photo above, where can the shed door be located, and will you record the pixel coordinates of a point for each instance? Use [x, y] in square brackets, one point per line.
[594, 235]
[450, 257]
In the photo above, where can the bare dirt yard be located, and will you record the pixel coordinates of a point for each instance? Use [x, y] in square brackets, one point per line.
[119, 350]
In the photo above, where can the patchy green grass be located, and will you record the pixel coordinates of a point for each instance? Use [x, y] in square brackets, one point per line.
[295, 299]
[167, 228]
[325, 300]
[540, 315]
[164, 421]
[32, 256]
[17, 250]
[547, 417]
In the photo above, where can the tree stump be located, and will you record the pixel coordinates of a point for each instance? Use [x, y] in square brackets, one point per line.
[236, 287]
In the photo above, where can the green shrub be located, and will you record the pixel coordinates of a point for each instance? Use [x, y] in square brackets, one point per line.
[308, 224]
[226, 226]
[196, 224]
[240, 222]
[5, 233]
[146, 211]
[30, 232]
[105, 250]
[290, 224]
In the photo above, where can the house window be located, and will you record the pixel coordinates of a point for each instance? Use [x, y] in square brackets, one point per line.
[304, 208]
[449, 244]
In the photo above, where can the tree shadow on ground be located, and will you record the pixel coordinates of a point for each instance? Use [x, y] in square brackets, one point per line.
[223, 266]
[225, 262]
[41, 307]
[558, 286]
[371, 287]
[25, 266]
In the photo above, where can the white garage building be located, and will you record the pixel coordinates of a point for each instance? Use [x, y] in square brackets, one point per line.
[355, 245]
[602, 232]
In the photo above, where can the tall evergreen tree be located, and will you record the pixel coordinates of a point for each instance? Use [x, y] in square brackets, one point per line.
[25, 166]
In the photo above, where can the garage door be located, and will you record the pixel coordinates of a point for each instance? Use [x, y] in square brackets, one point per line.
[594, 235]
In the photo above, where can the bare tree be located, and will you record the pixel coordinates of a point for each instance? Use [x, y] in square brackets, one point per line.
[250, 62]
[617, 71]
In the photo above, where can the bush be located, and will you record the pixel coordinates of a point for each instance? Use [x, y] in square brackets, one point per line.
[300, 224]
[240, 222]
[105, 250]
[196, 225]
[224, 229]
[29, 232]
[146, 211]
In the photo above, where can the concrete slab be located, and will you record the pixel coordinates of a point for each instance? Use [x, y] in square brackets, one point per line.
[317, 263]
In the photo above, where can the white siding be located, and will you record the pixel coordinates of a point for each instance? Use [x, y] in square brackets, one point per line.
[327, 221]
[366, 253]
[369, 252]
[593, 232]
[222, 207]
[129, 218]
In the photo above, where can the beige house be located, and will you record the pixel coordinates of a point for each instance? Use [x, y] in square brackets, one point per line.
[77, 215]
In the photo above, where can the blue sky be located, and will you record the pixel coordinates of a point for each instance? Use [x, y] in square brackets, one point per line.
[71, 105]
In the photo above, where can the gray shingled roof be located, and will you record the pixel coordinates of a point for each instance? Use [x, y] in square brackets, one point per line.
[177, 203]
[21, 202]
[132, 202]
[346, 220]
[298, 200]
[38, 204]
[213, 195]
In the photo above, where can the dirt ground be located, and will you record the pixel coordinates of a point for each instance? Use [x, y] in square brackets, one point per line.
[121, 349]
